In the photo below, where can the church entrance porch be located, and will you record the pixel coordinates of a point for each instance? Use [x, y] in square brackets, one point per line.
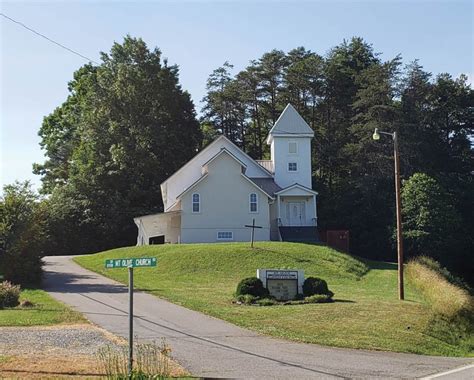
[296, 214]
[296, 211]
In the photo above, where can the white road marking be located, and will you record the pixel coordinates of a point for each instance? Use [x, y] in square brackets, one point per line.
[448, 372]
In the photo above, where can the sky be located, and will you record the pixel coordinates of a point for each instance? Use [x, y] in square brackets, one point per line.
[200, 36]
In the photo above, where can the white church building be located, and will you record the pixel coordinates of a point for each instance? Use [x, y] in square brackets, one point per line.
[222, 189]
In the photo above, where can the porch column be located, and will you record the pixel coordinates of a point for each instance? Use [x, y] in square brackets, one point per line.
[315, 209]
[278, 209]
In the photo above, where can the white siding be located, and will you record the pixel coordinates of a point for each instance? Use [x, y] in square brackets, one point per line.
[192, 171]
[281, 157]
[224, 206]
[167, 224]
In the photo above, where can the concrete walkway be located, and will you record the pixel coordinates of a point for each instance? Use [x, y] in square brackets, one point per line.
[209, 347]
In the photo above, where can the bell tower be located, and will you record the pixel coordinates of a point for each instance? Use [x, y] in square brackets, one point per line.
[290, 144]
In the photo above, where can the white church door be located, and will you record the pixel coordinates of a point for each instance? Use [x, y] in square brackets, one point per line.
[296, 213]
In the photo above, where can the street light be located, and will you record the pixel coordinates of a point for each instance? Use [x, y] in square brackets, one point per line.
[376, 136]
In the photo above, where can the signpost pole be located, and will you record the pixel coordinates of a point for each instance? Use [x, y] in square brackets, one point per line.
[139, 262]
[130, 321]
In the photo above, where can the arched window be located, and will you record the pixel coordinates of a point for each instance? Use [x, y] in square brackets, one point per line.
[253, 202]
[196, 202]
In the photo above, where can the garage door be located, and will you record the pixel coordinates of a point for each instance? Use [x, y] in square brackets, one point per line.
[283, 289]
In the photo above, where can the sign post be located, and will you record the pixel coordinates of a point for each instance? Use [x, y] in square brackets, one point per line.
[141, 262]
[130, 320]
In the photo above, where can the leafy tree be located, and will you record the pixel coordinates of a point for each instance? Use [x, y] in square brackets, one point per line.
[431, 223]
[126, 126]
[22, 234]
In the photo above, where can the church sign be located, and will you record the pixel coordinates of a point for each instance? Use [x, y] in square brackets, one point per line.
[282, 284]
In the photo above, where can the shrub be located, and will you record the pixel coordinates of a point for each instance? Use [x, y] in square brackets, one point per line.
[246, 299]
[9, 294]
[314, 285]
[319, 298]
[252, 286]
[22, 234]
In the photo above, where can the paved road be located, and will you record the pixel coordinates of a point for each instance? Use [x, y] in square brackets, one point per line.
[209, 347]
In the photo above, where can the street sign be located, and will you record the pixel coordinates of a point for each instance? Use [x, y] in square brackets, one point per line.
[141, 262]
[133, 263]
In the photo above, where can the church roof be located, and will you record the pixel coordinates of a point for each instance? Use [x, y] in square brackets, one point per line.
[290, 123]
[268, 185]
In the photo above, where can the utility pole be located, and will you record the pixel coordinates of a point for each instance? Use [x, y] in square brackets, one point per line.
[396, 155]
[398, 205]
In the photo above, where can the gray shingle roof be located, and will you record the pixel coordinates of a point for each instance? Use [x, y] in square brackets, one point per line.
[266, 184]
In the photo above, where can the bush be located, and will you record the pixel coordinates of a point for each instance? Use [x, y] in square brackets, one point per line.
[22, 234]
[314, 285]
[252, 286]
[319, 298]
[9, 294]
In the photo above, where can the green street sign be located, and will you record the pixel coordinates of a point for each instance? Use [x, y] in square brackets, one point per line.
[133, 263]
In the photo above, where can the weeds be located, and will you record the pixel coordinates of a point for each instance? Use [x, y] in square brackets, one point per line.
[151, 361]
[452, 305]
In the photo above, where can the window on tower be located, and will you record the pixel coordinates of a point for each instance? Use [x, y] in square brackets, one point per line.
[292, 147]
[292, 167]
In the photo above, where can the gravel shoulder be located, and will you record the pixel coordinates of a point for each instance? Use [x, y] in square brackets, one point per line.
[54, 351]
[81, 339]
[61, 351]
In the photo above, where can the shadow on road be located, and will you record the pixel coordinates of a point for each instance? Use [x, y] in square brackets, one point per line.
[77, 283]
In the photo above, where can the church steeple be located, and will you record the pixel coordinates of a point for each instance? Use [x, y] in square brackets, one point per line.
[290, 123]
[290, 141]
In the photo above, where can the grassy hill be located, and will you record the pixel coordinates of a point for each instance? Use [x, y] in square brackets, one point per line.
[366, 314]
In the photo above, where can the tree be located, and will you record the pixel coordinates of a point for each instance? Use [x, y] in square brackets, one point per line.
[126, 126]
[22, 234]
[431, 222]
[344, 96]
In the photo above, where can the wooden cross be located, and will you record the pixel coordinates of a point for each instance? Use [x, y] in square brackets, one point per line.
[253, 226]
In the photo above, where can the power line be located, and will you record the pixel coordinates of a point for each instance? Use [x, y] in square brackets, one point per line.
[47, 38]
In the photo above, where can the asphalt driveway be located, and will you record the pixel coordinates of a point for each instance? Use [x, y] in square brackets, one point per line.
[209, 347]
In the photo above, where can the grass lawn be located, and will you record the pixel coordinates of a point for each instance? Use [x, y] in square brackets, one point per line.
[367, 313]
[46, 311]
